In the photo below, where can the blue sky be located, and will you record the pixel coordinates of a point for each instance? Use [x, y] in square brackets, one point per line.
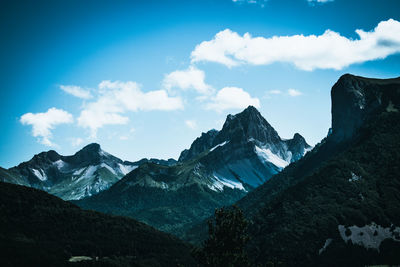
[145, 78]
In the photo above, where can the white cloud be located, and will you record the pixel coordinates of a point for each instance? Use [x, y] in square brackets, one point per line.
[76, 141]
[191, 124]
[327, 51]
[270, 93]
[294, 92]
[191, 78]
[320, 1]
[43, 123]
[117, 98]
[232, 98]
[76, 91]
[260, 2]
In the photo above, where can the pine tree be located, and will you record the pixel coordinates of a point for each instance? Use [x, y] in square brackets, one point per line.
[227, 239]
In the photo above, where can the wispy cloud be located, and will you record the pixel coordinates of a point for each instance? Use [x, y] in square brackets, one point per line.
[263, 2]
[274, 92]
[117, 98]
[258, 2]
[75, 142]
[191, 78]
[192, 124]
[268, 94]
[76, 91]
[294, 92]
[232, 98]
[327, 51]
[313, 2]
[43, 123]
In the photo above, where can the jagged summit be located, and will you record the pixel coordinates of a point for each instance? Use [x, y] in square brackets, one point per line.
[42, 158]
[90, 154]
[248, 124]
[241, 128]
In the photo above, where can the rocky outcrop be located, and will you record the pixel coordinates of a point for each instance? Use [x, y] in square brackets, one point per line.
[355, 99]
[201, 144]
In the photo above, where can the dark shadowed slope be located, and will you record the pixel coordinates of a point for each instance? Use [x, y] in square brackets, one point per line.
[340, 204]
[38, 229]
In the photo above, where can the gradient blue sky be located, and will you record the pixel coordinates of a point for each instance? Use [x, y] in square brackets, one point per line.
[49, 44]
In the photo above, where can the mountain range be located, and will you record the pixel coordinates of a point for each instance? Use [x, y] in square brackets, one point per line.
[336, 204]
[87, 172]
[218, 169]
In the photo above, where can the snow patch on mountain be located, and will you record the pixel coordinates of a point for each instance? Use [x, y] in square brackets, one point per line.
[267, 155]
[125, 169]
[88, 172]
[222, 144]
[103, 153]
[78, 172]
[370, 235]
[220, 182]
[108, 168]
[40, 174]
[59, 164]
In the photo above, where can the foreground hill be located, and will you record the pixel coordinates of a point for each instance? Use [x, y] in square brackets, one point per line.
[340, 204]
[38, 229]
[219, 168]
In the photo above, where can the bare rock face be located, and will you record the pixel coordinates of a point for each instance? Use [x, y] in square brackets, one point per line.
[202, 143]
[355, 99]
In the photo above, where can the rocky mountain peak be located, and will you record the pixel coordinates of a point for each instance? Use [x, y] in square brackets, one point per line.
[248, 124]
[91, 154]
[297, 136]
[93, 147]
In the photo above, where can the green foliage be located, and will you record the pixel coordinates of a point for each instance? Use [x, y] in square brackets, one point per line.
[293, 224]
[38, 229]
[227, 239]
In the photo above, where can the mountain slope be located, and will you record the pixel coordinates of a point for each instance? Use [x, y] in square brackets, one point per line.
[247, 149]
[218, 169]
[339, 205]
[87, 172]
[386, 92]
[346, 213]
[38, 229]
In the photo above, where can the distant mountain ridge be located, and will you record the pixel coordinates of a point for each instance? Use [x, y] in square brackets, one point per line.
[87, 172]
[218, 169]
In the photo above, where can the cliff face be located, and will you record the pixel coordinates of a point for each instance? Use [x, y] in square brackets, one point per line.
[355, 99]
